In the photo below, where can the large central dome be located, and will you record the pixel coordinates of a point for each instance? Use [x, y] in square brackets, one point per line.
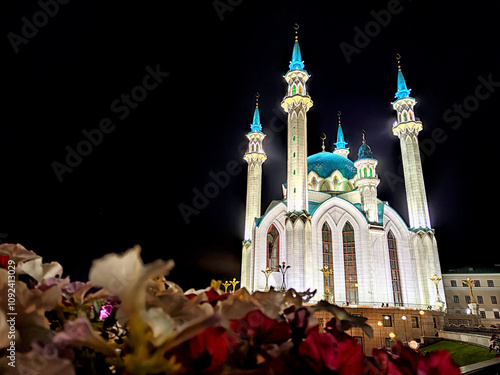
[325, 163]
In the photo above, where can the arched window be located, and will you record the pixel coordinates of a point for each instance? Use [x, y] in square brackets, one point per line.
[326, 235]
[273, 247]
[395, 275]
[335, 183]
[351, 274]
[366, 175]
[294, 90]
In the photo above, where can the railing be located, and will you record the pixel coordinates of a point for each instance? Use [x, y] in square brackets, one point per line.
[474, 330]
[489, 367]
[384, 304]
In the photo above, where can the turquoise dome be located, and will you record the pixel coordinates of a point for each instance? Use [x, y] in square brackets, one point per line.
[325, 163]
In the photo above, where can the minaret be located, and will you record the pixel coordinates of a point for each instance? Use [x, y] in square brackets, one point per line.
[407, 128]
[367, 181]
[296, 103]
[254, 156]
[340, 145]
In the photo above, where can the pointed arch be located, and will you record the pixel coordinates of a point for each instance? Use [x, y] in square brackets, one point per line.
[350, 269]
[326, 237]
[273, 247]
[395, 274]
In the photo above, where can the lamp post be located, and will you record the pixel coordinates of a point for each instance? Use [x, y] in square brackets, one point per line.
[326, 273]
[435, 279]
[266, 273]
[226, 284]
[470, 283]
[234, 282]
[380, 324]
[422, 323]
[392, 336]
[404, 326]
[283, 268]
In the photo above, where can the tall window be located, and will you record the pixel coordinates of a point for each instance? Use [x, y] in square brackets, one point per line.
[351, 275]
[395, 276]
[273, 247]
[326, 235]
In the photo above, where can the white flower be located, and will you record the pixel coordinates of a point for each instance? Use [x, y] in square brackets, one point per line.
[126, 277]
[38, 270]
[160, 323]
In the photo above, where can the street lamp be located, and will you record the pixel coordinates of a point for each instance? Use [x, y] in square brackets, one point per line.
[380, 324]
[267, 272]
[283, 268]
[234, 282]
[422, 323]
[392, 336]
[326, 273]
[404, 326]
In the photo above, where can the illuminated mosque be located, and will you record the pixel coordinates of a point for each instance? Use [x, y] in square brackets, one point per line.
[331, 232]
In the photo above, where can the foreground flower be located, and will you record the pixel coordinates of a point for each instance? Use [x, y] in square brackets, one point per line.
[17, 252]
[323, 351]
[38, 270]
[126, 277]
[79, 332]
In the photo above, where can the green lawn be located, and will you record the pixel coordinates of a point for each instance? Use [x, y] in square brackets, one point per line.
[462, 354]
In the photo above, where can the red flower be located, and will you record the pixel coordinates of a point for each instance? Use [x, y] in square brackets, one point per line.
[4, 260]
[206, 353]
[260, 329]
[212, 295]
[323, 351]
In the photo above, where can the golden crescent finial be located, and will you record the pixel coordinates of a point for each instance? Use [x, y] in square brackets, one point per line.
[257, 96]
[398, 57]
[323, 137]
[296, 26]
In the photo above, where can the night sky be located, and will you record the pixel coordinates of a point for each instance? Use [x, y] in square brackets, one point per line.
[116, 114]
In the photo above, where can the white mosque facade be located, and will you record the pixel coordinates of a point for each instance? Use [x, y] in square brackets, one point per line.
[330, 232]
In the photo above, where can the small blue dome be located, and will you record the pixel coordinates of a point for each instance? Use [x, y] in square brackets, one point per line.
[365, 152]
[325, 163]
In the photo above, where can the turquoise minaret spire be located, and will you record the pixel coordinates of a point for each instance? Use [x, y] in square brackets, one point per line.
[296, 63]
[340, 145]
[403, 91]
[256, 125]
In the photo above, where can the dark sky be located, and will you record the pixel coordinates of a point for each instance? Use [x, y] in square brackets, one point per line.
[167, 92]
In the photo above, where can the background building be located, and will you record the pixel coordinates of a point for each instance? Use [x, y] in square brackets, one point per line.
[485, 294]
